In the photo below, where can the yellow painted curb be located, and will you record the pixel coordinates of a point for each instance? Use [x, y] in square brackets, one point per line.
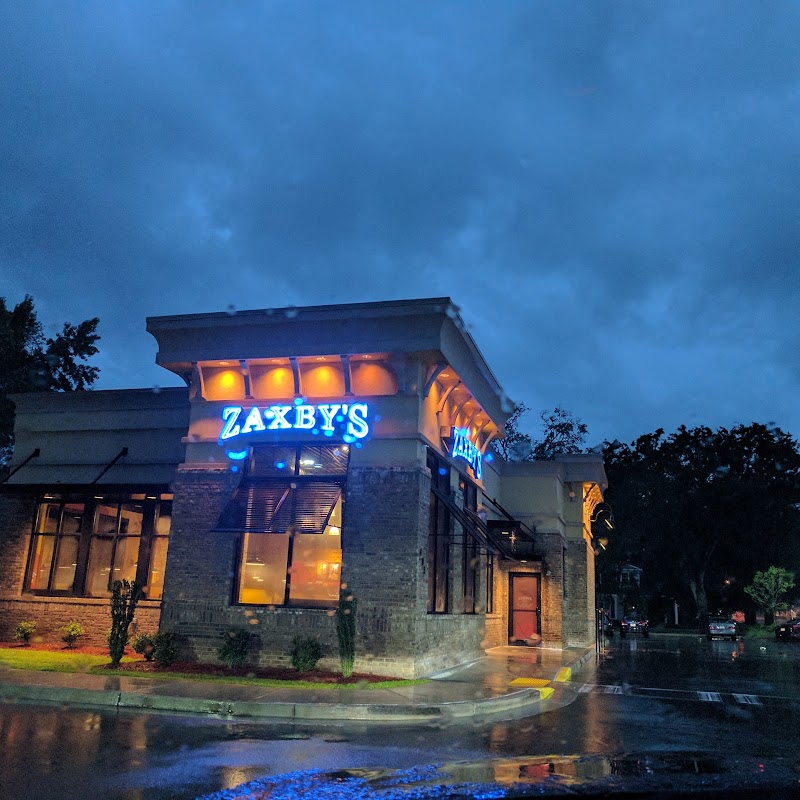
[545, 692]
[564, 675]
[529, 682]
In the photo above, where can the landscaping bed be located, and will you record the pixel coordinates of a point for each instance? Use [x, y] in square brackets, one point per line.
[60, 647]
[194, 668]
[85, 658]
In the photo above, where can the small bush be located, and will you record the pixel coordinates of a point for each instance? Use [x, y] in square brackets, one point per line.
[144, 646]
[234, 647]
[306, 651]
[71, 632]
[346, 630]
[759, 632]
[25, 630]
[165, 647]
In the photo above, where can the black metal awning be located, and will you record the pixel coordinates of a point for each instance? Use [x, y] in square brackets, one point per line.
[278, 506]
[491, 541]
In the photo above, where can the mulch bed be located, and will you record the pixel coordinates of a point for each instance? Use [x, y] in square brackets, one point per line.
[271, 673]
[60, 647]
[195, 668]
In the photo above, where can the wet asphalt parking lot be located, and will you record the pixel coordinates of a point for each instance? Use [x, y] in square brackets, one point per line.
[724, 709]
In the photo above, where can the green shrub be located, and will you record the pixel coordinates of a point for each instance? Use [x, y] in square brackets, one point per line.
[759, 632]
[165, 647]
[25, 630]
[306, 651]
[124, 597]
[346, 630]
[144, 646]
[71, 632]
[234, 647]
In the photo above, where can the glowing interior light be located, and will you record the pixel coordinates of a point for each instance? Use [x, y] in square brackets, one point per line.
[334, 531]
[238, 455]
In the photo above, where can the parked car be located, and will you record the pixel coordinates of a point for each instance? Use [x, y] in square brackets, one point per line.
[721, 626]
[788, 631]
[608, 625]
[634, 623]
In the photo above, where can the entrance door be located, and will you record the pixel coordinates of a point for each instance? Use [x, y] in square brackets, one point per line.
[524, 610]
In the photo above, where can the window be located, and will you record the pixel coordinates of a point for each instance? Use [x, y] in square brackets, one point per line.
[470, 553]
[81, 544]
[440, 539]
[54, 550]
[490, 583]
[289, 511]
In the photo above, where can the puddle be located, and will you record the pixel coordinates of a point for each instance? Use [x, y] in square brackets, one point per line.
[517, 777]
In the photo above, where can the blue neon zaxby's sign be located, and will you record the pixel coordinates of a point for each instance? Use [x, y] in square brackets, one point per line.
[349, 421]
[463, 448]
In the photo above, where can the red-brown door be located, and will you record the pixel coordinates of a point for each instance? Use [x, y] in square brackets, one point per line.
[524, 598]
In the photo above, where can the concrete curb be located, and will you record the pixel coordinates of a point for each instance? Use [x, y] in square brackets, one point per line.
[377, 712]
[279, 711]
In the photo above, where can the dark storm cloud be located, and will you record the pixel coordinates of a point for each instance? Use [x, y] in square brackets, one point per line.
[608, 190]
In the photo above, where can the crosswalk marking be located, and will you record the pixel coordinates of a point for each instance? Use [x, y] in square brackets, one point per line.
[748, 699]
[663, 693]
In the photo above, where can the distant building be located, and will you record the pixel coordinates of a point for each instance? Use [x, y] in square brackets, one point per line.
[311, 448]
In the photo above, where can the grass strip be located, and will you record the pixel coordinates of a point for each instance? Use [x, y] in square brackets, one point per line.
[49, 661]
[269, 682]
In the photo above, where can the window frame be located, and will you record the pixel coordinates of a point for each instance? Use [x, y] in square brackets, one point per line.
[440, 539]
[470, 552]
[90, 498]
[296, 476]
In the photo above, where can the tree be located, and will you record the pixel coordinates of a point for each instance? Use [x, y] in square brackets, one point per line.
[515, 445]
[124, 597]
[769, 588]
[561, 433]
[29, 362]
[697, 506]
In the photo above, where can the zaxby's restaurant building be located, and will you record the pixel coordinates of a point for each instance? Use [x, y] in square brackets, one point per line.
[311, 448]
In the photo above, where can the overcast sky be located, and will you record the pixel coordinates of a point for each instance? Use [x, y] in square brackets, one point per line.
[609, 191]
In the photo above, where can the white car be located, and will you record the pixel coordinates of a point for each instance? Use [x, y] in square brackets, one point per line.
[720, 626]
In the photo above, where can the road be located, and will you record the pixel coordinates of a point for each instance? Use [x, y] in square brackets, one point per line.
[669, 694]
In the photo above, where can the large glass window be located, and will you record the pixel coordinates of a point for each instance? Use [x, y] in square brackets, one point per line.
[440, 539]
[54, 553]
[289, 511]
[470, 562]
[82, 544]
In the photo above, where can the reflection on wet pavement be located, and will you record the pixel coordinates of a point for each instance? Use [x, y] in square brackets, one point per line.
[523, 777]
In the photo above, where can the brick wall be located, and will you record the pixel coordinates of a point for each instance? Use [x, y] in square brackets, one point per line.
[385, 563]
[51, 613]
[384, 540]
[16, 522]
[383, 514]
[550, 570]
[579, 603]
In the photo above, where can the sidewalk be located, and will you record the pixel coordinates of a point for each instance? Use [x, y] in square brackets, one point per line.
[505, 679]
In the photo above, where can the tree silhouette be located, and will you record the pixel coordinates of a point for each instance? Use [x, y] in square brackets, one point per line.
[30, 362]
